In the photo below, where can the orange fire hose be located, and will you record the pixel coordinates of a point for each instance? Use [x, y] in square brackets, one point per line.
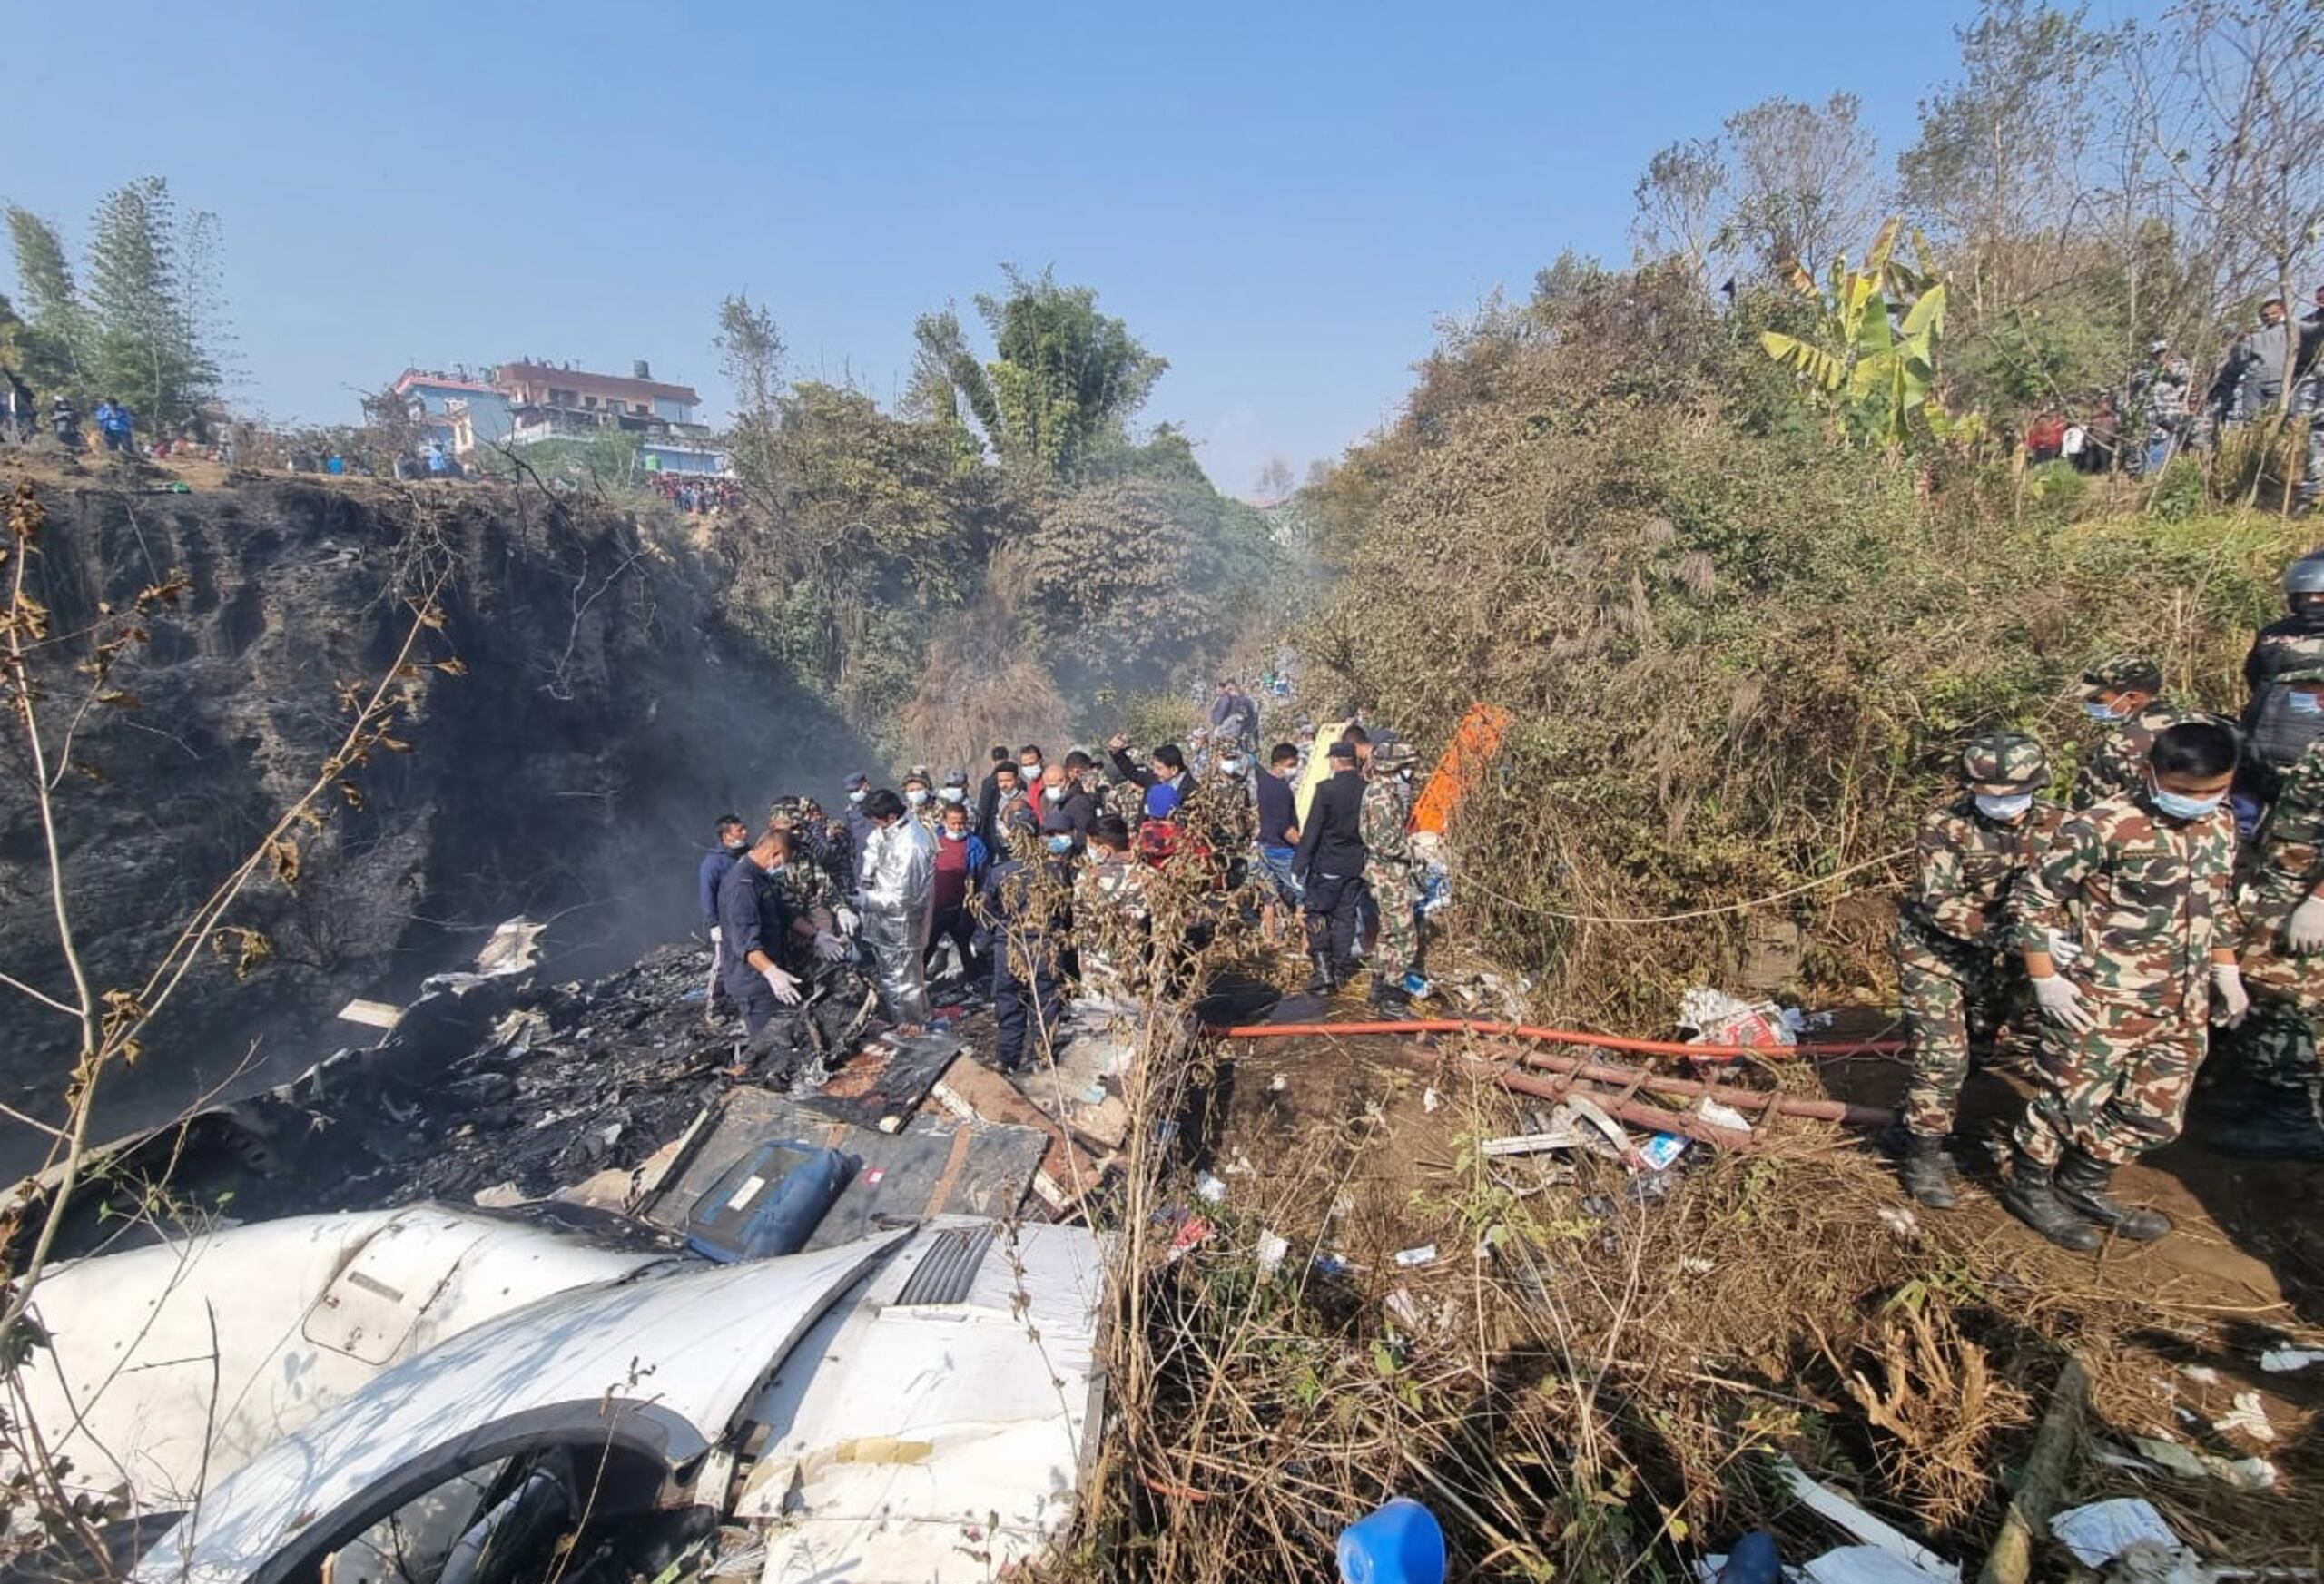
[1556, 1037]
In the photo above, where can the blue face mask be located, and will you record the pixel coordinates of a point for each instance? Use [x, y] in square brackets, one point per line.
[2179, 806]
[2004, 807]
[2304, 704]
[2099, 712]
[1060, 843]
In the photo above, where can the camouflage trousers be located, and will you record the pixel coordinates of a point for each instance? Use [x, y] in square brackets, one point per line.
[1949, 991]
[2120, 1089]
[1397, 949]
[2274, 1046]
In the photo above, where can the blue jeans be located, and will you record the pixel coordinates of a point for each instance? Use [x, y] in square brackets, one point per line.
[1277, 861]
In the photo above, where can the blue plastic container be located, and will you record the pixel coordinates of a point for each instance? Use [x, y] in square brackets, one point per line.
[768, 1203]
[1401, 1543]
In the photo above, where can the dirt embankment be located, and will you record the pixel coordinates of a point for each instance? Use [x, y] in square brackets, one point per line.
[603, 712]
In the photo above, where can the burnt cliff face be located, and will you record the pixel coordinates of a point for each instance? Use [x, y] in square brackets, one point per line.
[606, 711]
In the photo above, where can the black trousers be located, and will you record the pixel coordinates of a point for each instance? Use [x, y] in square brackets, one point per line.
[1334, 910]
[952, 924]
[748, 990]
[1027, 1000]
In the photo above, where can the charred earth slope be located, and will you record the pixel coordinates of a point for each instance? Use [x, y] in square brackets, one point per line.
[601, 710]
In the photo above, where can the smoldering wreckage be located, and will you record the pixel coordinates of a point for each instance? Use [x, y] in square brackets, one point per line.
[559, 1280]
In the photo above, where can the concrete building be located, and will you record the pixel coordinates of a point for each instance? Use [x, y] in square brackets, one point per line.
[458, 411]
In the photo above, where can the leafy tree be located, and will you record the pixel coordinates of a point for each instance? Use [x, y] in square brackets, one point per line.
[750, 349]
[145, 344]
[1685, 203]
[55, 327]
[1061, 389]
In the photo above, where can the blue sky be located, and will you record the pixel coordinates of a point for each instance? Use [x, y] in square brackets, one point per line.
[1280, 198]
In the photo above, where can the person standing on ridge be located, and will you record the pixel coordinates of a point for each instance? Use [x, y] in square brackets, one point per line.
[1329, 865]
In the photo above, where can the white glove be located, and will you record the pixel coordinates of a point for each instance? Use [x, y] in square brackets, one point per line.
[849, 920]
[2063, 950]
[2062, 1003]
[2229, 999]
[2304, 930]
[713, 934]
[786, 987]
[829, 946]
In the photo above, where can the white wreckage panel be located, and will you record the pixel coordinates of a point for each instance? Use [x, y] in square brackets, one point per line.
[173, 1365]
[935, 1441]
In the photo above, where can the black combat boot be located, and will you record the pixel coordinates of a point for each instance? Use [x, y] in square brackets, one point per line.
[1389, 1000]
[2033, 1198]
[1927, 1171]
[1325, 978]
[2275, 1122]
[2082, 1182]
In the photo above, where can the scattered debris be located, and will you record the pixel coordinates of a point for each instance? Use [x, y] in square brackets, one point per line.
[2278, 1361]
[1273, 1247]
[2102, 1530]
[2248, 1418]
[1411, 1258]
[1849, 1518]
[1719, 1018]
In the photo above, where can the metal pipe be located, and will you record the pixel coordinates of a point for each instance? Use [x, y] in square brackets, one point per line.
[1742, 1099]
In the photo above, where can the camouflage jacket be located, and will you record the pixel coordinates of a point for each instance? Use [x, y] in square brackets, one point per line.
[1219, 807]
[2282, 866]
[1966, 868]
[2116, 762]
[1386, 814]
[2148, 899]
[800, 888]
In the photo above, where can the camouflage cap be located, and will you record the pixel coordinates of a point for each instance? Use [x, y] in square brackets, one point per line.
[2003, 761]
[2302, 677]
[1393, 753]
[2135, 672]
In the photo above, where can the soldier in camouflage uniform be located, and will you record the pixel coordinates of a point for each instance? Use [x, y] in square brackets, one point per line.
[1955, 961]
[2265, 1088]
[2124, 696]
[812, 940]
[2142, 884]
[1223, 818]
[1395, 872]
[1112, 917]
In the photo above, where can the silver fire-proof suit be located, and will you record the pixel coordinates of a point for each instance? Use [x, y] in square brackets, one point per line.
[899, 878]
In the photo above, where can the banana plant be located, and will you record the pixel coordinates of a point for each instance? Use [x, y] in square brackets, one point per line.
[1873, 357]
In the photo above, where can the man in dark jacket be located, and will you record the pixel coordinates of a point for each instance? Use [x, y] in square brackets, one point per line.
[1329, 865]
[734, 837]
[752, 927]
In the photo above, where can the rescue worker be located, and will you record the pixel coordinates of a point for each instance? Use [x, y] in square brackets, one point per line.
[752, 928]
[954, 791]
[1112, 913]
[2262, 1091]
[1023, 904]
[2276, 721]
[64, 423]
[2124, 695]
[1393, 871]
[1329, 865]
[2263, 360]
[899, 873]
[1068, 806]
[920, 801]
[988, 793]
[1955, 964]
[2142, 884]
[811, 937]
[733, 840]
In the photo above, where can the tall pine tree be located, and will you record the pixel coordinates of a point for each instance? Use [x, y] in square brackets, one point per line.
[146, 345]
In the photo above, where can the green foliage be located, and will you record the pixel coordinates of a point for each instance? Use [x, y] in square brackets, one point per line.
[1061, 387]
[139, 330]
[750, 349]
[1741, 654]
[1877, 369]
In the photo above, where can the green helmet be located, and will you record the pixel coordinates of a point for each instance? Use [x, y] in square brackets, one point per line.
[2003, 761]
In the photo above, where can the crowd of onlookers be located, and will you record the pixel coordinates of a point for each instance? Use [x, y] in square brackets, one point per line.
[2272, 365]
[695, 494]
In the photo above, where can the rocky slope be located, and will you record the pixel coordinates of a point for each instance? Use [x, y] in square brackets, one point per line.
[606, 712]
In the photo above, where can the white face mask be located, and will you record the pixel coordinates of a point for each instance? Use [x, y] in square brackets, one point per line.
[954, 795]
[917, 796]
[1054, 794]
[1231, 766]
[952, 835]
[856, 796]
[1028, 773]
[2004, 806]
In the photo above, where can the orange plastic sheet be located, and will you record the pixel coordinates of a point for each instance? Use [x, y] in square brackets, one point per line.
[1466, 760]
